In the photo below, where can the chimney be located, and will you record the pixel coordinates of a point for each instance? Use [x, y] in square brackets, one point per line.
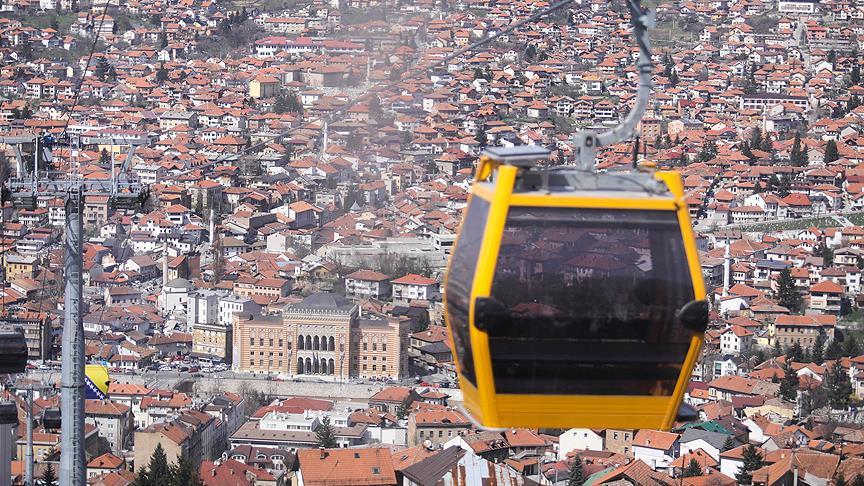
[323, 452]
[164, 263]
[727, 269]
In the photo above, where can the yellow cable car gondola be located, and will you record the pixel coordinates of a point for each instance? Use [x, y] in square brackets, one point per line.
[575, 298]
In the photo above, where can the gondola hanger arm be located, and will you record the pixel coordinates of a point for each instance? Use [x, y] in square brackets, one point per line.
[586, 142]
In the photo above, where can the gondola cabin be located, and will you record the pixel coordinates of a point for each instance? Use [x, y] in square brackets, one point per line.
[573, 298]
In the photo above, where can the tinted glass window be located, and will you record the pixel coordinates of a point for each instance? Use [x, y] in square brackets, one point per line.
[460, 279]
[587, 302]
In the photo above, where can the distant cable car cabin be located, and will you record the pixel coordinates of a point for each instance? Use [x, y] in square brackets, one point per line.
[13, 349]
[574, 298]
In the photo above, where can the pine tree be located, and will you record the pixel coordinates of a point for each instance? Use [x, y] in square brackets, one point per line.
[325, 435]
[827, 254]
[789, 384]
[709, 151]
[730, 443]
[757, 188]
[795, 353]
[787, 295]
[531, 52]
[158, 469]
[851, 347]
[767, 143]
[184, 473]
[756, 138]
[49, 476]
[834, 350]
[817, 352]
[481, 137]
[838, 386]
[796, 156]
[859, 480]
[777, 351]
[831, 153]
[752, 461]
[577, 475]
[693, 469]
[855, 75]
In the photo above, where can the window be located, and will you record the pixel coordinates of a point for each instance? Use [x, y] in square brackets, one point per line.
[383, 367]
[260, 341]
[280, 342]
[462, 268]
[364, 347]
[374, 347]
[271, 341]
[617, 346]
[383, 346]
[251, 341]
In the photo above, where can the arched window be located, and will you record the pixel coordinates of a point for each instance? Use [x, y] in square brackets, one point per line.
[308, 367]
[316, 344]
[315, 365]
[332, 344]
[309, 343]
[299, 366]
[300, 342]
[331, 363]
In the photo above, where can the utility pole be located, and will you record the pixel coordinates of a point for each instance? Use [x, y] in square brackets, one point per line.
[73, 470]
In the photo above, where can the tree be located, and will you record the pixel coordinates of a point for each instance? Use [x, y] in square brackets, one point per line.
[163, 40]
[787, 295]
[481, 137]
[838, 387]
[827, 254]
[777, 351]
[531, 52]
[184, 473]
[767, 143]
[859, 480]
[752, 461]
[855, 75]
[161, 74]
[692, 469]
[325, 435]
[817, 352]
[709, 151]
[102, 68]
[797, 156]
[157, 472]
[795, 353]
[851, 347]
[831, 153]
[789, 384]
[577, 475]
[49, 476]
[730, 443]
[756, 137]
[834, 350]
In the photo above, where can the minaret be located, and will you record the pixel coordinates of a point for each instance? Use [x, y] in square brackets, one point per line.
[212, 227]
[164, 264]
[727, 269]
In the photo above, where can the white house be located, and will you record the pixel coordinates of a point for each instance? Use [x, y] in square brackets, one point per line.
[655, 448]
[732, 461]
[735, 340]
[411, 287]
[580, 440]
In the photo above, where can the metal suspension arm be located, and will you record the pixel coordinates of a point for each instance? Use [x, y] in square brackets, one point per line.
[587, 141]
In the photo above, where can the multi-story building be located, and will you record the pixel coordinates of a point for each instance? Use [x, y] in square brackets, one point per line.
[380, 348]
[15, 266]
[367, 283]
[788, 329]
[112, 420]
[414, 287]
[37, 332]
[322, 335]
[436, 426]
